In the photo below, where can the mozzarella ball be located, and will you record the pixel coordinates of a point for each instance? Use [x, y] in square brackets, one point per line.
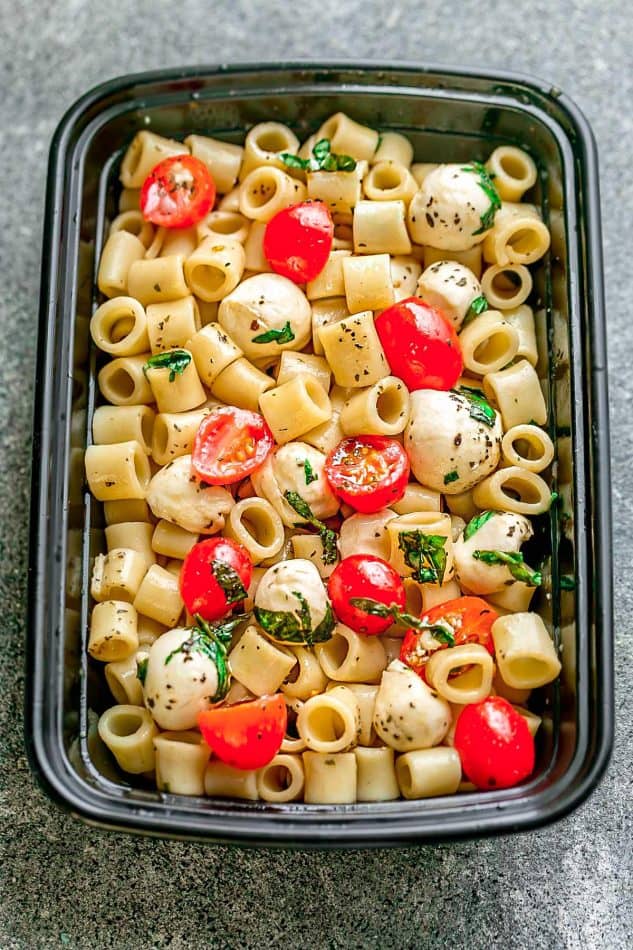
[179, 683]
[451, 288]
[285, 470]
[505, 531]
[446, 211]
[261, 303]
[275, 590]
[366, 534]
[449, 451]
[176, 495]
[408, 714]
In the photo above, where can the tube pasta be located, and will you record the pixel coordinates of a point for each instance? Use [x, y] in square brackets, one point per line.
[506, 286]
[213, 351]
[514, 598]
[366, 534]
[112, 424]
[254, 523]
[368, 284]
[525, 653]
[405, 273]
[132, 221]
[158, 280]
[330, 722]
[295, 408]
[518, 236]
[518, 394]
[513, 489]
[258, 664]
[221, 225]
[429, 772]
[176, 391]
[306, 678]
[472, 258]
[117, 575]
[129, 199]
[376, 775]
[120, 252]
[145, 151]
[354, 351]
[299, 364]
[329, 778]
[170, 325]
[181, 761]
[215, 268]
[113, 631]
[529, 447]
[310, 547]
[417, 498]
[118, 471]
[348, 657]
[380, 228]
[330, 282]
[123, 383]
[128, 732]
[242, 384]
[158, 597]
[348, 137]
[266, 191]
[254, 258]
[129, 509]
[223, 159]
[340, 191]
[170, 540]
[488, 343]
[389, 181]
[365, 694]
[175, 241]
[123, 681]
[174, 433]
[432, 594]
[133, 535]
[324, 312]
[223, 781]
[472, 684]
[424, 523]
[514, 171]
[522, 319]
[119, 327]
[382, 409]
[282, 780]
[264, 144]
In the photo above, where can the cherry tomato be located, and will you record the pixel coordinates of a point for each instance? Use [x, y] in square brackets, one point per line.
[363, 575]
[471, 620]
[246, 735]
[229, 445]
[494, 744]
[420, 344]
[298, 240]
[214, 577]
[178, 192]
[368, 472]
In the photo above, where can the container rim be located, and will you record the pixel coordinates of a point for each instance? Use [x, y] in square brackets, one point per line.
[62, 784]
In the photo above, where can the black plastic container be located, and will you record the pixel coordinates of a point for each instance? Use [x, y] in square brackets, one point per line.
[449, 115]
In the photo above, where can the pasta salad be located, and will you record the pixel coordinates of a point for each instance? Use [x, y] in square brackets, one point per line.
[320, 447]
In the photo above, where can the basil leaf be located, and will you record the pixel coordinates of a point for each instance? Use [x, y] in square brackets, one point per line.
[515, 564]
[321, 150]
[310, 475]
[345, 163]
[476, 523]
[486, 184]
[221, 630]
[291, 627]
[480, 409]
[373, 607]
[324, 630]
[199, 642]
[442, 632]
[325, 160]
[293, 161]
[477, 307]
[284, 335]
[425, 554]
[451, 477]
[141, 669]
[229, 580]
[176, 361]
[327, 535]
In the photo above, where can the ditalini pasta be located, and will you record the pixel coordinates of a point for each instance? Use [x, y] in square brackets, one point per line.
[319, 446]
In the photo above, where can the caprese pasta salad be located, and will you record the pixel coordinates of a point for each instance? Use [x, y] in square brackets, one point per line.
[320, 446]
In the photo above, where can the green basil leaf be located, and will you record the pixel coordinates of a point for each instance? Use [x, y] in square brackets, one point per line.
[324, 630]
[515, 564]
[229, 580]
[141, 669]
[486, 184]
[321, 150]
[284, 335]
[291, 627]
[345, 163]
[451, 477]
[176, 361]
[327, 535]
[310, 474]
[476, 523]
[477, 307]
[293, 161]
[425, 554]
[199, 642]
[373, 607]
[480, 409]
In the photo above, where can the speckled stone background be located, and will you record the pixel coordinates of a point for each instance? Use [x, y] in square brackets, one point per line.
[65, 885]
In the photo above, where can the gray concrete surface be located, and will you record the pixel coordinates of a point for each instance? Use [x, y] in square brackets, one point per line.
[65, 885]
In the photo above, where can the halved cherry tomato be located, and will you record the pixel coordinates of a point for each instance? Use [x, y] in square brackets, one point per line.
[369, 472]
[420, 344]
[470, 619]
[363, 575]
[214, 577]
[494, 744]
[298, 240]
[246, 735]
[229, 445]
[178, 192]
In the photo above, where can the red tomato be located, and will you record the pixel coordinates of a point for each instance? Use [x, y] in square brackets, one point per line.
[214, 576]
[494, 744]
[229, 445]
[246, 735]
[369, 472]
[178, 192]
[471, 619]
[298, 240]
[420, 344]
[363, 575]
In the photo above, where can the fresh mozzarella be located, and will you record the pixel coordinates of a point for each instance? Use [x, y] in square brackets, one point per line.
[366, 534]
[179, 683]
[176, 495]
[286, 470]
[451, 288]
[449, 451]
[262, 303]
[408, 714]
[446, 212]
[505, 531]
[276, 590]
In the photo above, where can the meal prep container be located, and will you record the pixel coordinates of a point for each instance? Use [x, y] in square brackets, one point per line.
[450, 115]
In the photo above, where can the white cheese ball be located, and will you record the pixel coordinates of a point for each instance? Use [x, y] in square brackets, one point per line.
[505, 531]
[446, 211]
[176, 495]
[261, 303]
[275, 591]
[285, 470]
[366, 534]
[451, 288]
[176, 691]
[408, 715]
[449, 451]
